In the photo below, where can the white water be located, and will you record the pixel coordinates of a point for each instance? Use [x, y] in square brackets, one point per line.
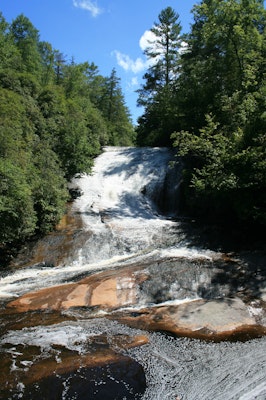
[175, 368]
[119, 211]
[125, 227]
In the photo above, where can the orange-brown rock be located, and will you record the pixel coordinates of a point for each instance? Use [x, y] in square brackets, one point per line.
[204, 319]
[107, 289]
[119, 288]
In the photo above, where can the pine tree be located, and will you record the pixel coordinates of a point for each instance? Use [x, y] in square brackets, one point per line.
[156, 94]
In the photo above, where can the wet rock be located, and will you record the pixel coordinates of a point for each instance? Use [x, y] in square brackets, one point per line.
[155, 289]
[124, 379]
[75, 192]
[99, 373]
[56, 247]
[204, 319]
[108, 290]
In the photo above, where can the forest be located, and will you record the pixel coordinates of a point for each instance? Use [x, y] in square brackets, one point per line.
[55, 116]
[204, 94]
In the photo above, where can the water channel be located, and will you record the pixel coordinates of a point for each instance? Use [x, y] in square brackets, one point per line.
[132, 257]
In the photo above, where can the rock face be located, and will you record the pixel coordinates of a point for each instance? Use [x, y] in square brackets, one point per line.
[203, 319]
[108, 290]
[125, 288]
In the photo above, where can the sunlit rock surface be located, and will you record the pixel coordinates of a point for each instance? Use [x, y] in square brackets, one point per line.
[204, 319]
[105, 290]
[131, 289]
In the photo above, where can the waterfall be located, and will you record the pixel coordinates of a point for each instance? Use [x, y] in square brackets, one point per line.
[124, 198]
[130, 226]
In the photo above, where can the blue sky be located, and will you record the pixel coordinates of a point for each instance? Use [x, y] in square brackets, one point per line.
[110, 33]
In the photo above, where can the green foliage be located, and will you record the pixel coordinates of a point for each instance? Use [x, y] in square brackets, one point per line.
[54, 118]
[18, 218]
[115, 112]
[75, 145]
[48, 187]
[216, 107]
[224, 72]
[26, 38]
[226, 174]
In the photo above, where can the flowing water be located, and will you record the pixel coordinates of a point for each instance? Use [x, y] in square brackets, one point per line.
[128, 213]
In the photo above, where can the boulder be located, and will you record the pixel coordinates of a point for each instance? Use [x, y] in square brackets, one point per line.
[107, 290]
[220, 319]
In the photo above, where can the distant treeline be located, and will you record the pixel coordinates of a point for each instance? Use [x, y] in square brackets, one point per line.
[54, 117]
[205, 94]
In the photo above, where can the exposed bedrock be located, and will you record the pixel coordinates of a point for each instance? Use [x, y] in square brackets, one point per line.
[185, 297]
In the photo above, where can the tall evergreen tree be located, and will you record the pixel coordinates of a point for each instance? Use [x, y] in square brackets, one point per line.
[156, 124]
[115, 112]
[26, 38]
[9, 54]
[225, 56]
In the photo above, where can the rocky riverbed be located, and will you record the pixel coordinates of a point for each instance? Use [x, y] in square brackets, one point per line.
[119, 302]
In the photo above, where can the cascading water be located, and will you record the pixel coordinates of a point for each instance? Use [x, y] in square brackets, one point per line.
[124, 230]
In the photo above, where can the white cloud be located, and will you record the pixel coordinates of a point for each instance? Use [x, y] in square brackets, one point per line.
[88, 5]
[184, 47]
[140, 64]
[149, 40]
[146, 40]
[134, 81]
[128, 64]
[132, 84]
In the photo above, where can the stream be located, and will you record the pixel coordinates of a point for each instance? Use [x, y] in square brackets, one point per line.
[120, 303]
